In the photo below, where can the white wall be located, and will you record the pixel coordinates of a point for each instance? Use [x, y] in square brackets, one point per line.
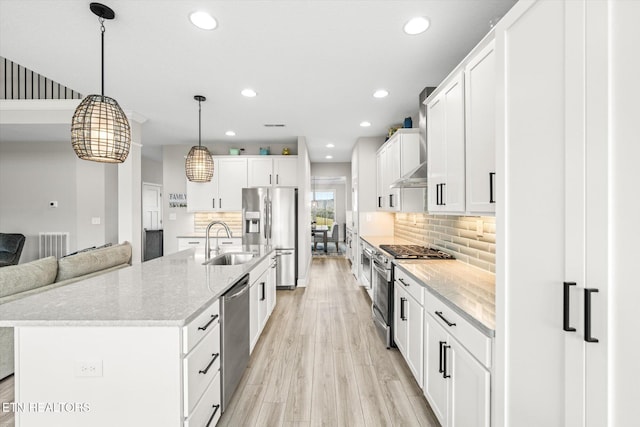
[174, 180]
[304, 211]
[151, 171]
[35, 173]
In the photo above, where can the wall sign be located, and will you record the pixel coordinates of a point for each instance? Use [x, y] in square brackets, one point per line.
[177, 200]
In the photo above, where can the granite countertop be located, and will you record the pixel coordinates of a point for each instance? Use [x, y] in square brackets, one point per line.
[167, 291]
[202, 236]
[468, 290]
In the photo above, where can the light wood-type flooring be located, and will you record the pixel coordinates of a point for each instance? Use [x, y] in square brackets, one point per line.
[319, 362]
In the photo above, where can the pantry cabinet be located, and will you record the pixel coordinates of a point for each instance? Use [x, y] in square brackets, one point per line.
[267, 171]
[445, 150]
[554, 151]
[224, 192]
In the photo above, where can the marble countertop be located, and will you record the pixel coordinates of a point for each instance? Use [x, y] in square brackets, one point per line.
[201, 236]
[167, 291]
[468, 290]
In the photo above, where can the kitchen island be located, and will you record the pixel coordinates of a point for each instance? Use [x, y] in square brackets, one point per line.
[117, 349]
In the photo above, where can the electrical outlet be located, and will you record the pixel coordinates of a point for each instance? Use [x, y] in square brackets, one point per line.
[95, 220]
[479, 228]
[88, 368]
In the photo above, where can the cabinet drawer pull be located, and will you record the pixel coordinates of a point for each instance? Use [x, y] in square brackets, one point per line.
[491, 178]
[262, 297]
[205, 370]
[565, 311]
[403, 282]
[402, 314]
[274, 265]
[587, 315]
[439, 314]
[227, 243]
[194, 243]
[215, 410]
[204, 328]
[444, 361]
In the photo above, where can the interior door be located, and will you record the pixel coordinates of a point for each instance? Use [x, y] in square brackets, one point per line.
[151, 206]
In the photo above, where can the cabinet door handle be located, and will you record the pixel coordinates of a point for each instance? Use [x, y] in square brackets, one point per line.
[205, 370]
[379, 201]
[402, 301]
[220, 204]
[215, 410]
[402, 281]
[204, 328]
[442, 202]
[277, 178]
[269, 179]
[587, 315]
[440, 370]
[444, 361]
[438, 187]
[439, 314]
[491, 178]
[262, 297]
[213, 202]
[390, 200]
[565, 310]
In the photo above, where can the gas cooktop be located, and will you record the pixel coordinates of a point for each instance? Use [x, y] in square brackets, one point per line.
[414, 252]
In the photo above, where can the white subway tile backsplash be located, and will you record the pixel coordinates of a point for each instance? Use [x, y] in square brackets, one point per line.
[454, 234]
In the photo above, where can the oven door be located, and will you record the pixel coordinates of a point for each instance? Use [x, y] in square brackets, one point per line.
[381, 282]
[366, 262]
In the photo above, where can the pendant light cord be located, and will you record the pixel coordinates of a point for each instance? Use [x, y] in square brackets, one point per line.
[199, 123]
[101, 19]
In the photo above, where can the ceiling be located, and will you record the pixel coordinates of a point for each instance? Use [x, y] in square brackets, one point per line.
[314, 64]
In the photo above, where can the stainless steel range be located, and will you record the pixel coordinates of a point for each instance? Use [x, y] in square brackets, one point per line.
[382, 281]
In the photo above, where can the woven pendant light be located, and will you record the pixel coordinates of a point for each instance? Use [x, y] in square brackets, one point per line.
[199, 163]
[100, 131]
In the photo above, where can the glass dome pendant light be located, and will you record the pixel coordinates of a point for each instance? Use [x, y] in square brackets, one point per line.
[100, 131]
[199, 163]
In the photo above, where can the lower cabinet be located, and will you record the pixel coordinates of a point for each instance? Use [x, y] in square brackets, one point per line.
[262, 297]
[456, 385]
[408, 336]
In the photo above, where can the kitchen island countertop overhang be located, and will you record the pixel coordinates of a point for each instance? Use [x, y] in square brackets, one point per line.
[167, 291]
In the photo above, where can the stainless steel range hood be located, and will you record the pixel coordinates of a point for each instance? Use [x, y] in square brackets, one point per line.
[417, 178]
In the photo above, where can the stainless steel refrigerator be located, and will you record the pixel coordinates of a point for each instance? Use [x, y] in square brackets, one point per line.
[269, 216]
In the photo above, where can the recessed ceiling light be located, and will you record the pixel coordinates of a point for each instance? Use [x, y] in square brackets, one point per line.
[380, 93]
[330, 145]
[328, 157]
[230, 133]
[203, 20]
[249, 93]
[365, 124]
[416, 25]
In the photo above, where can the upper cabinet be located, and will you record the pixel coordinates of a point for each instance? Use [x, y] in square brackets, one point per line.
[279, 171]
[398, 156]
[224, 191]
[461, 137]
[445, 148]
[480, 108]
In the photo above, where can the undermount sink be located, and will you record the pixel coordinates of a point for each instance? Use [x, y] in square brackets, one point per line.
[230, 258]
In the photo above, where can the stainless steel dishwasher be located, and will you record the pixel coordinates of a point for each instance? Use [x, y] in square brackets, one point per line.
[235, 337]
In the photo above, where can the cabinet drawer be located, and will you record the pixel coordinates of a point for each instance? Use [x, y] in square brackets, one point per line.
[187, 243]
[409, 285]
[263, 266]
[477, 343]
[208, 410]
[198, 327]
[200, 366]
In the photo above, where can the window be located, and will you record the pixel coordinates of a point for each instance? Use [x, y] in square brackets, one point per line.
[323, 207]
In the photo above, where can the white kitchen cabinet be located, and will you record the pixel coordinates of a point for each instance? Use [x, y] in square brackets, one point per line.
[408, 324]
[445, 150]
[456, 385]
[554, 145]
[480, 147]
[262, 297]
[224, 192]
[225, 244]
[271, 287]
[398, 156]
[267, 171]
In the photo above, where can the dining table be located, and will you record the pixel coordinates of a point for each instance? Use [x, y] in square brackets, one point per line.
[324, 229]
